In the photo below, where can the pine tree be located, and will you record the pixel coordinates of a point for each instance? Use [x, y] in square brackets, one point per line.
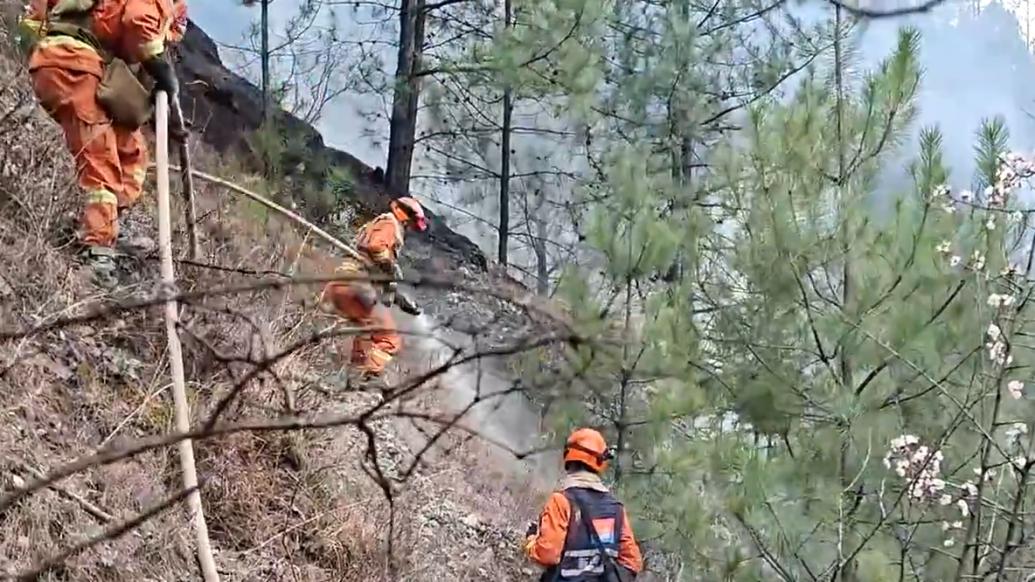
[833, 390]
[811, 371]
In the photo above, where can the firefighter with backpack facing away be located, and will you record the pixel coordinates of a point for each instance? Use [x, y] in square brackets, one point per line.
[366, 303]
[84, 59]
[583, 533]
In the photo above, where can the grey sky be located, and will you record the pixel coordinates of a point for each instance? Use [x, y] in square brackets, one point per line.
[342, 127]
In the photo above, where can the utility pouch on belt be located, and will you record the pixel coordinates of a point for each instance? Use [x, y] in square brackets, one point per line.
[123, 96]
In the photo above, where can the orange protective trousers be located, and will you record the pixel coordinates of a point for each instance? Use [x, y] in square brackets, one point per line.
[356, 302]
[111, 162]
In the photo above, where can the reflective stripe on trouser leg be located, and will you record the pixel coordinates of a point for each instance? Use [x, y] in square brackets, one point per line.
[70, 97]
[377, 360]
[384, 341]
[133, 157]
[99, 221]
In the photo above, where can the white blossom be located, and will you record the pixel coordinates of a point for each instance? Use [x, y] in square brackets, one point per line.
[1020, 462]
[994, 332]
[990, 223]
[919, 465]
[949, 542]
[945, 499]
[955, 261]
[944, 247]
[957, 525]
[964, 507]
[978, 259]
[996, 300]
[1016, 388]
[970, 488]
[997, 350]
[1010, 269]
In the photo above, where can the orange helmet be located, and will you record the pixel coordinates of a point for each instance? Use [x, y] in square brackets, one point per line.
[588, 447]
[409, 212]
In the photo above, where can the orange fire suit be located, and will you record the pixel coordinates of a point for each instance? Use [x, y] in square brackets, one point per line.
[111, 161]
[550, 546]
[380, 241]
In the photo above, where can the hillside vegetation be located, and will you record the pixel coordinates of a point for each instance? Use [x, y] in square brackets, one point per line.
[80, 373]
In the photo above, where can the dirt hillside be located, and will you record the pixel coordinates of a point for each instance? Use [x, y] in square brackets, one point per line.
[83, 372]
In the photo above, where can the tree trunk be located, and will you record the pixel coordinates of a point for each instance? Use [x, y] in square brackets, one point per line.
[403, 126]
[542, 266]
[265, 58]
[508, 112]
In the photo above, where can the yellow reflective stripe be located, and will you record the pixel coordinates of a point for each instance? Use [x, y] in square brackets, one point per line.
[70, 6]
[382, 256]
[62, 40]
[32, 25]
[380, 357]
[139, 175]
[102, 197]
[349, 267]
[153, 48]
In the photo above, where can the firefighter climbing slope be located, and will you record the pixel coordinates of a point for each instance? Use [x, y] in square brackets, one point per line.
[366, 303]
[84, 60]
[584, 533]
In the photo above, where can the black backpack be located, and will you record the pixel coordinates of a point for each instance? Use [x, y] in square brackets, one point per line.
[613, 572]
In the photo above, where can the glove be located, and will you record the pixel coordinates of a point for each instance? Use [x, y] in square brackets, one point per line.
[407, 305]
[164, 75]
[388, 294]
[533, 529]
[528, 544]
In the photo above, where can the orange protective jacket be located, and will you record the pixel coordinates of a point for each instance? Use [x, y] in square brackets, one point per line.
[380, 240]
[132, 30]
[547, 547]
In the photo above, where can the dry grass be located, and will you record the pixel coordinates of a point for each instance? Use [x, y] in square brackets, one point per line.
[280, 507]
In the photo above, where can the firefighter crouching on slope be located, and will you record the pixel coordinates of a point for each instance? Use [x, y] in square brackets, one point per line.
[84, 56]
[584, 533]
[365, 303]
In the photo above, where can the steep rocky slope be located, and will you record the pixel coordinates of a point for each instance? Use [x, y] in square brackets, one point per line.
[81, 373]
[225, 110]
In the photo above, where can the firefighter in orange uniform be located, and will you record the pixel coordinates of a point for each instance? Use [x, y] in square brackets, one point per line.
[73, 44]
[583, 534]
[365, 303]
